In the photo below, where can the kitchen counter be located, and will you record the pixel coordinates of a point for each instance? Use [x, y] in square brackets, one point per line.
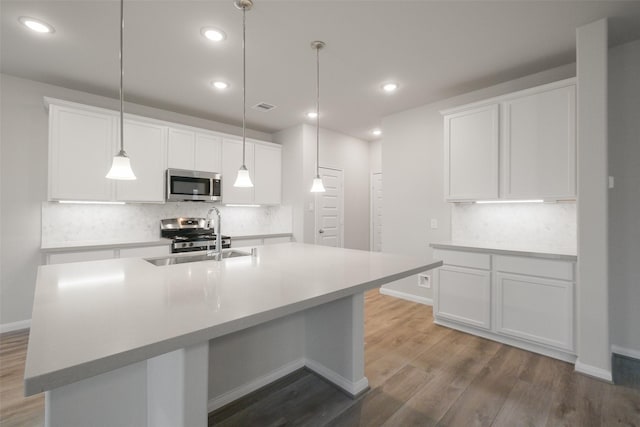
[96, 317]
[535, 252]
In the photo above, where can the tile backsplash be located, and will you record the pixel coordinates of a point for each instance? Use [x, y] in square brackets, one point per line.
[69, 223]
[544, 225]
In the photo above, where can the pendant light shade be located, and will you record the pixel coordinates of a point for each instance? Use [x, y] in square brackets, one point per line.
[243, 179]
[317, 186]
[121, 166]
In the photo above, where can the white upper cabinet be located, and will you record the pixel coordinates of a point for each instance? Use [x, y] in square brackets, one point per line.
[517, 146]
[81, 146]
[194, 150]
[471, 154]
[232, 155]
[146, 146]
[181, 149]
[264, 161]
[268, 174]
[539, 145]
[208, 153]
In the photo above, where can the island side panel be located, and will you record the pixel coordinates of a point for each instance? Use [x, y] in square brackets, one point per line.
[246, 360]
[334, 345]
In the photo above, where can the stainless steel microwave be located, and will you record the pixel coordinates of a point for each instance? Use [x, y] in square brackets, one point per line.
[197, 186]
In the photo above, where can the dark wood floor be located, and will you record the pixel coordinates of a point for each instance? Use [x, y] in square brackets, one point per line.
[420, 375]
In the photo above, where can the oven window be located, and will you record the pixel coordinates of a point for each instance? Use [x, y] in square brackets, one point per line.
[190, 186]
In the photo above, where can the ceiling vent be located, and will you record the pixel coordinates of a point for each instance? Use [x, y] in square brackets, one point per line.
[263, 106]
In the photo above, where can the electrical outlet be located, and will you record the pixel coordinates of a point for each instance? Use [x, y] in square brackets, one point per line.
[434, 223]
[424, 281]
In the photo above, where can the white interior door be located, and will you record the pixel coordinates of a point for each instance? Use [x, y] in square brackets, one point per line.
[329, 209]
[376, 212]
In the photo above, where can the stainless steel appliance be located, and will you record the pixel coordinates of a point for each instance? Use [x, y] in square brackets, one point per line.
[190, 234]
[187, 185]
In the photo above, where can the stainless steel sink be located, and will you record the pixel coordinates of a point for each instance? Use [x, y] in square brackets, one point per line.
[181, 259]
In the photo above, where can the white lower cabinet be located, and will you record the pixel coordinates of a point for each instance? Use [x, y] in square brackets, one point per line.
[519, 300]
[466, 296]
[536, 309]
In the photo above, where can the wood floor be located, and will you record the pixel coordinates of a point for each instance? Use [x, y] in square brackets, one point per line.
[420, 375]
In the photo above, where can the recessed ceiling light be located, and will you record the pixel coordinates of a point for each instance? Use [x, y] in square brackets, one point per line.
[376, 132]
[390, 87]
[220, 84]
[213, 34]
[36, 25]
[312, 114]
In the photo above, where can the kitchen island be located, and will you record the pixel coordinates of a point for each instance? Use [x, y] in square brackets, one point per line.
[125, 342]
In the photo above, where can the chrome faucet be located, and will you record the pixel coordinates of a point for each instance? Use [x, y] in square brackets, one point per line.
[216, 228]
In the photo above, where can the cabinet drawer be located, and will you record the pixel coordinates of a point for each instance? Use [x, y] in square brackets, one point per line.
[463, 259]
[555, 269]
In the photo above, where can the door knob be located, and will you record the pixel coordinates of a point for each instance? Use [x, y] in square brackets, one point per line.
[321, 231]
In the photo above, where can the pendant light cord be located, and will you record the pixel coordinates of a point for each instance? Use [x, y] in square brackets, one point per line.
[318, 111]
[121, 77]
[244, 83]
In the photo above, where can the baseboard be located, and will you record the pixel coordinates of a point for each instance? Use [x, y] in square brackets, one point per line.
[635, 354]
[406, 296]
[350, 387]
[243, 390]
[593, 371]
[15, 326]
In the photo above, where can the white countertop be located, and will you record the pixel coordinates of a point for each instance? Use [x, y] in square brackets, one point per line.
[94, 317]
[568, 254]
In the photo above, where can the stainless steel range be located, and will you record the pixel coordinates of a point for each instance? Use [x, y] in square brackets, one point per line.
[191, 234]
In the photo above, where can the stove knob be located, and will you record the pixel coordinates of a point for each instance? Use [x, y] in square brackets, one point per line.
[190, 244]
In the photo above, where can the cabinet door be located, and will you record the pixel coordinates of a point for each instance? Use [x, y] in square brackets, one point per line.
[145, 143]
[146, 252]
[81, 146]
[232, 156]
[463, 295]
[181, 149]
[268, 174]
[471, 154]
[539, 145]
[535, 309]
[208, 153]
[83, 256]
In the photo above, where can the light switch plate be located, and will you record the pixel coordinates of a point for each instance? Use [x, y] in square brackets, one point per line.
[434, 223]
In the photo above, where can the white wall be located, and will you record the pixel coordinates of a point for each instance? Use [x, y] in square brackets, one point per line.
[375, 156]
[23, 147]
[338, 151]
[413, 173]
[593, 345]
[624, 199]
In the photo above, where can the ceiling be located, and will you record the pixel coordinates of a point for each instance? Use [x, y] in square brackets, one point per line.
[433, 49]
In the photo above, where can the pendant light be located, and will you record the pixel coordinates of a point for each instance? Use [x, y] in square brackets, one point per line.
[317, 186]
[121, 166]
[243, 179]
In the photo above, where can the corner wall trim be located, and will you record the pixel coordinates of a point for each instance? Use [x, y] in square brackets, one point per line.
[352, 388]
[238, 392]
[15, 326]
[406, 296]
[629, 352]
[593, 371]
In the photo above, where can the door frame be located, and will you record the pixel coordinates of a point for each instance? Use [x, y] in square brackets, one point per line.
[341, 204]
[371, 211]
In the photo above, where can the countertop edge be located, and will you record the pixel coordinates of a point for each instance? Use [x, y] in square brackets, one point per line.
[39, 383]
[505, 251]
[110, 245]
[260, 236]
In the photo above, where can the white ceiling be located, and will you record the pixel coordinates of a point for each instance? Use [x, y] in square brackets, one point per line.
[433, 49]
